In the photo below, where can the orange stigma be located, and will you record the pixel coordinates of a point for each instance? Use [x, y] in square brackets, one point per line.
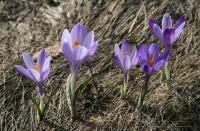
[151, 60]
[126, 53]
[75, 44]
[36, 67]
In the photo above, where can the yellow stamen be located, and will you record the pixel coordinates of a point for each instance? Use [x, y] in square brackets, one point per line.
[36, 67]
[126, 53]
[75, 44]
[151, 60]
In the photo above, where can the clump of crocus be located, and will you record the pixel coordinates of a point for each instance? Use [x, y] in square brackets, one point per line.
[77, 47]
[37, 72]
[150, 61]
[168, 34]
[126, 58]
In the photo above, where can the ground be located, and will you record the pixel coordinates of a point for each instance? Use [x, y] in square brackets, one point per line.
[28, 26]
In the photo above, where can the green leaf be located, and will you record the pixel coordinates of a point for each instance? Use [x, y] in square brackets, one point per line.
[37, 106]
[70, 97]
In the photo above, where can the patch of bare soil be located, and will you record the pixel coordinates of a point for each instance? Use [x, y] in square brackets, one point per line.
[29, 25]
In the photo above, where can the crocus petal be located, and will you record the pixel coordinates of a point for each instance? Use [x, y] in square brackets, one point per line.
[35, 75]
[126, 63]
[80, 52]
[46, 64]
[165, 56]
[93, 48]
[152, 22]
[67, 53]
[169, 36]
[66, 38]
[154, 50]
[134, 56]
[89, 40]
[158, 32]
[41, 59]
[118, 62]
[118, 52]
[179, 30]
[147, 69]
[144, 53]
[118, 56]
[23, 71]
[90, 52]
[158, 65]
[28, 61]
[125, 46]
[78, 33]
[166, 21]
[180, 21]
[45, 74]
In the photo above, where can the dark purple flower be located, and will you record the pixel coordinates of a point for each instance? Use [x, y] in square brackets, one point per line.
[38, 71]
[150, 59]
[126, 57]
[168, 34]
[78, 46]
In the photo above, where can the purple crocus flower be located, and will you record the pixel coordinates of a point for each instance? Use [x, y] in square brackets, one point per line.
[38, 71]
[150, 59]
[168, 34]
[127, 57]
[77, 46]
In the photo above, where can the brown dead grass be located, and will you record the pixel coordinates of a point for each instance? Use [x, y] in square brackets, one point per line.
[32, 25]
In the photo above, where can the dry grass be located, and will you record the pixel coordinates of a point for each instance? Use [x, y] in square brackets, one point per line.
[31, 25]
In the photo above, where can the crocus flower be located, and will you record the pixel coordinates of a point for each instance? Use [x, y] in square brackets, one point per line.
[38, 71]
[168, 34]
[150, 59]
[77, 46]
[126, 57]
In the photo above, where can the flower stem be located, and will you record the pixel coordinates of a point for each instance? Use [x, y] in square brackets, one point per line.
[94, 81]
[72, 104]
[73, 113]
[143, 92]
[40, 110]
[168, 75]
[123, 88]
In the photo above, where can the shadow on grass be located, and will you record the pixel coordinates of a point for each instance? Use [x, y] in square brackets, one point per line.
[53, 125]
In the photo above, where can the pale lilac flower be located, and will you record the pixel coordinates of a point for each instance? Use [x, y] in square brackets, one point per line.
[38, 71]
[126, 57]
[78, 46]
